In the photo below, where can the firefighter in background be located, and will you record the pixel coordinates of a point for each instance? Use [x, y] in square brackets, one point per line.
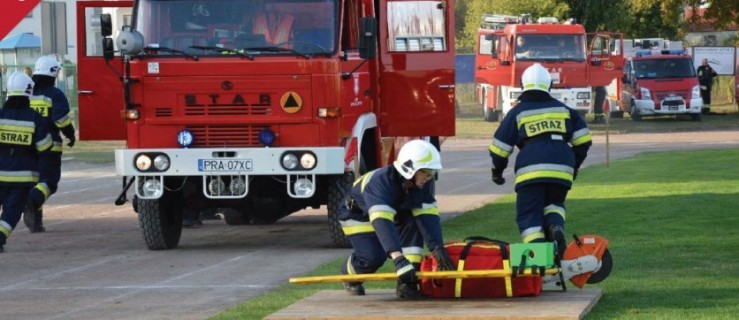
[53, 106]
[389, 213]
[600, 100]
[553, 141]
[705, 80]
[23, 135]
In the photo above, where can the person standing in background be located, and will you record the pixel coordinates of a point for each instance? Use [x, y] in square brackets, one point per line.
[705, 80]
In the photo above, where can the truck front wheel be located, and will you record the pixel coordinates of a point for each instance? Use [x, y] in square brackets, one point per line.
[161, 222]
[634, 112]
[338, 187]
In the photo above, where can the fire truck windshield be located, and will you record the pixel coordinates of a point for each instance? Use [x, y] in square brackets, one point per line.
[664, 68]
[302, 27]
[550, 47]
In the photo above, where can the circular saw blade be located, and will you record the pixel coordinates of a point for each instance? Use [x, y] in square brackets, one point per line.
[606, 264]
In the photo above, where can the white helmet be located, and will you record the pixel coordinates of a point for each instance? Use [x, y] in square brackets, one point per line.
[47, 66]
[536, 77]
[416, 155]
[20, 84]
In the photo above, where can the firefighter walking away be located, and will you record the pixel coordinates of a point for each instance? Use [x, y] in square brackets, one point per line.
[53, 106]
[23, 136]
[553, 141]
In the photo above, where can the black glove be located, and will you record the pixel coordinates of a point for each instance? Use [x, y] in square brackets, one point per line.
[405, 270]
[498, 177]
[443, 261]
[68, 132]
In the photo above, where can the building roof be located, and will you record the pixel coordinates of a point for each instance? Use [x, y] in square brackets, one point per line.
[21, 40]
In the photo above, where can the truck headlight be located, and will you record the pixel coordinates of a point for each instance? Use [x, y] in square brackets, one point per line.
[143, 162]
[583, 95]
[696, 94]
[161, 162]
[308, 161]
[289, 161]
[303, 187]
[645, 94]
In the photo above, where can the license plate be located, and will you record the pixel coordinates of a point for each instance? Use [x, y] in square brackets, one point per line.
[673, 98]
[224, 165]
[673, 108]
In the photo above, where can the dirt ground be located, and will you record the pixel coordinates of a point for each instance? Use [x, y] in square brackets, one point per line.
[92, 262]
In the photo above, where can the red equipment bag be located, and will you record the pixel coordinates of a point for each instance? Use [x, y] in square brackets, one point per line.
[476, 254]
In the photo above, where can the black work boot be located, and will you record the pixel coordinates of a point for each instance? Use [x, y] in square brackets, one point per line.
[408, 291]
[32, 218]
[354, 288]
[557, 235]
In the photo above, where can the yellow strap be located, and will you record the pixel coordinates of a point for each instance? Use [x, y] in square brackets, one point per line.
[508, 285]
[458, 281]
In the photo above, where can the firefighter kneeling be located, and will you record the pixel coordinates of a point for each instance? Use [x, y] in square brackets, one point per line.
[23, 136]
[391, 212]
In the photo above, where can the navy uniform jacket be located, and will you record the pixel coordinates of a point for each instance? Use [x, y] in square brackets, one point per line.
[23, 135]
[51, 103]
[553, 140]
[378, 197]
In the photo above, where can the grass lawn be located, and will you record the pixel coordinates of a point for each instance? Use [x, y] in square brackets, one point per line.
[672, 231]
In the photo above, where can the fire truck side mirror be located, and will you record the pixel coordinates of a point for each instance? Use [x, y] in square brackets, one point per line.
[106, 25]
[108, 51]
[367, 38]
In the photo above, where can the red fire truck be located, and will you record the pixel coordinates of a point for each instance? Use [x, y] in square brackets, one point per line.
[660, 82]
[260, 108]
[507, 45]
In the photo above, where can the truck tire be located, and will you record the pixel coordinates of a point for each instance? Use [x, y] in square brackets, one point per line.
[697, 116]
[338, 187]
[634, 112]
[161, 223]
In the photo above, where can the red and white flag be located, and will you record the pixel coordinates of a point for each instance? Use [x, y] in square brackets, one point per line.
[13, 12]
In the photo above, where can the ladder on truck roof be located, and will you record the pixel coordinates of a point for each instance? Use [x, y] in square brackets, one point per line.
[497, 21]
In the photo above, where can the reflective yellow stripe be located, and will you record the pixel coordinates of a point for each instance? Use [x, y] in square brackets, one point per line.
[5, 229]
[554, 209]
[413, 258]
[508, 285]
[543, 116]
[584, 139]
[458, 281]
[499, 151]
[44, 189]
[352, 230]
[381, 215]
[431, 211]
[349, 267]
[44, 144]
[23, 126]
[63, 122]
[544, 174]
[533, 236]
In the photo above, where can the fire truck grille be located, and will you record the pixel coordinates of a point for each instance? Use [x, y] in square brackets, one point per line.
[226, 136]
[162, 112]
[660, 95]
[239, 110]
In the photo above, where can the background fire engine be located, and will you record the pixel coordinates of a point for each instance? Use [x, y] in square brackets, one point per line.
[263, 108]
[507, 45]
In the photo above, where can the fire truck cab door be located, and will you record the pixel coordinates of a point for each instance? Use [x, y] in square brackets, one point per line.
[100, 91]
[605, 61]
[416, 53]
